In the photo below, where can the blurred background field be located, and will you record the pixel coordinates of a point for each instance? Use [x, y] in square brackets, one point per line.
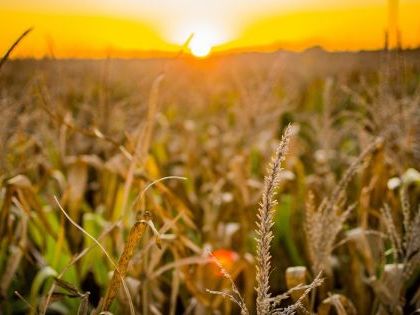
[96, 133]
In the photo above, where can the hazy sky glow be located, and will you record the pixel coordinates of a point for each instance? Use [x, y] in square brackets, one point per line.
[95, 28]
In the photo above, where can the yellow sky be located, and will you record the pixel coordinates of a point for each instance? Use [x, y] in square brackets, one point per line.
[97, 28]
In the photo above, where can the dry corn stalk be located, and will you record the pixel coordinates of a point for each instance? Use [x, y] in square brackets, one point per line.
[134, 237]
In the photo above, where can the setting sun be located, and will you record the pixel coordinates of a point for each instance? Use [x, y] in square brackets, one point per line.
[200, 47]
[205, 37]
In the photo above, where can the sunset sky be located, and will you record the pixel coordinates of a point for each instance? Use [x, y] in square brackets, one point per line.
[127, 28]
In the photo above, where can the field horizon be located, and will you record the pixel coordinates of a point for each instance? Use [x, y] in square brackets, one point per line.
[182, 53]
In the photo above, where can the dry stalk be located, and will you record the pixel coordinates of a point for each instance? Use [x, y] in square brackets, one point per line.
[235, 296]
[265, 223]
[143, 141]
[120, 271]
[11, 48]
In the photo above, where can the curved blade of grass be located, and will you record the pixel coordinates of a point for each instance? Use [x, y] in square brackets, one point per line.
[11, 48]
[130, 301]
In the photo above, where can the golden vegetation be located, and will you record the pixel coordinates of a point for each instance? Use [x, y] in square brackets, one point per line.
[156, 163]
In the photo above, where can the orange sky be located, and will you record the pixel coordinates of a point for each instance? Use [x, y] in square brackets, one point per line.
[125, 28]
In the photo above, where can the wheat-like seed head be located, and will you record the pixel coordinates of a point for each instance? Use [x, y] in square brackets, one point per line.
[267, 305]
[394, 236]
[406, 248]
[413, 246]
[265, 222]
[324, 224]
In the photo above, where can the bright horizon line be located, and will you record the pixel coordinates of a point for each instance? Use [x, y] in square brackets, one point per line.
[151, 55]
[268, 48]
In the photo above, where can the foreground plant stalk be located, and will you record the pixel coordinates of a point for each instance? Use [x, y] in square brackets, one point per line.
[265, 224]
[134, 237]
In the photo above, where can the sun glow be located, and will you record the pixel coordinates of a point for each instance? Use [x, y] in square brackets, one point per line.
[200, 47]
[206, 37]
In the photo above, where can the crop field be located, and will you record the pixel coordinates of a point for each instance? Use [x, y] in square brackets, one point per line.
[251, 183]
